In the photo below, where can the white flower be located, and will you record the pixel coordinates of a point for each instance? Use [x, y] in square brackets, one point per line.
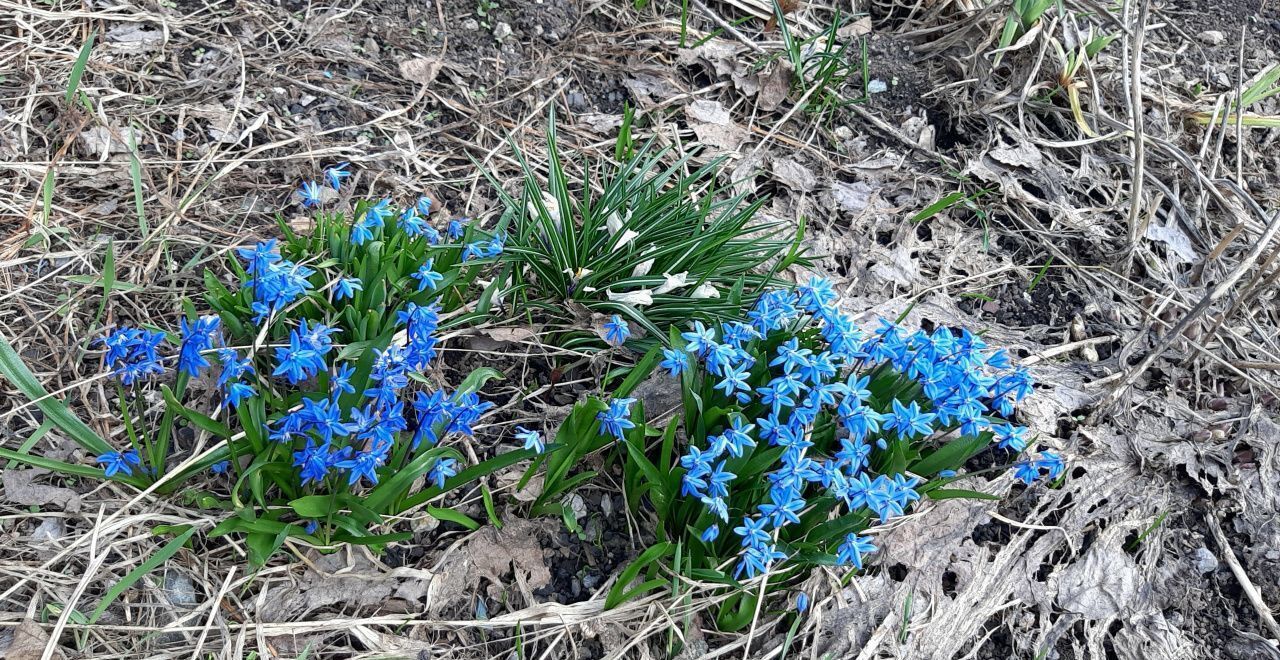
[578, 274]
[705, 291]
[673, 282]
[614, 224]
[643, 267]
[639, 298]
[627, 237]
[553, 208]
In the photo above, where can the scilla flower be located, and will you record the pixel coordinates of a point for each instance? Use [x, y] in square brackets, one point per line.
[616, 331]
[115, 462]
[310, 194]
[617, 419]
[531, 439]
[346, 287]
[442, 470]
[427, 278]
[336, 174]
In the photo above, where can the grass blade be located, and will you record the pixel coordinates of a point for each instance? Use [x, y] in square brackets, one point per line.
[16, 372]
[77, 70]
[170, 549]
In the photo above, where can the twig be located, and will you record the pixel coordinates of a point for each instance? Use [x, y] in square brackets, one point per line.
[1217, 293]
[1246, 585]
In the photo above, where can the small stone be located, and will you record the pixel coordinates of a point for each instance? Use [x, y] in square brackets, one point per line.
[179, 589]
[1212, 37]
[843, 132]
[606, 505]
[877, 86]
[1205, 561]
[471, 25]
[577, 101]
[501, 31]
[50, 529]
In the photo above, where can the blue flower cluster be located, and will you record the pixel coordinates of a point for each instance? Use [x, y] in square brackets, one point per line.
[276, 281]
[824, 365]
[132, 354]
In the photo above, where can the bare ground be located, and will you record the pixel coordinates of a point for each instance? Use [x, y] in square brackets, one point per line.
[1141, 283]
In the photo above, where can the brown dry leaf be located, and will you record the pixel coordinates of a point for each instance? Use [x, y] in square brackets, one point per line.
[497, 552]
[422, 70]
[29, 640]
[775, 85]
[513, 334]
[19, 489]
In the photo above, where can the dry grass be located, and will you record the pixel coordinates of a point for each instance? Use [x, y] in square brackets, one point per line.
[1154, 326]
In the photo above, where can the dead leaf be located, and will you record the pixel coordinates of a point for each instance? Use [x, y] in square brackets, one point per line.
[422, 70]
[1176, 239]
[1022, 154]
[29, 640]
[134, 38]
[852, 197]
[794, 175]
[1103, 586]
[512, 334]
[648, 89]
[713, 126]
[775, 86]
[711, 112]
[599, 122]
[19, 489]
[497, 552]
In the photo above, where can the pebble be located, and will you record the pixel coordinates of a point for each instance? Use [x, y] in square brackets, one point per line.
[1205, 561]
[1212, 37]
[179, 589]
[50, 529]
[471, 25]
[501, 31]
[877, 86]
[843, 132]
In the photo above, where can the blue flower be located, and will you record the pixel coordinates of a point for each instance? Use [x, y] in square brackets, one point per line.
[735, 383]
[908, 421]
[197, 336]
[346, 287]
[1026, 471]
[738, 436]
[132, 354]
[1052, 462]
[427, 278]
[711, 533]
[851, 552]
[220, 467]
[802, 602]
[361, 232]
[314, 460]
[423, 206]
[1008, 436]
[309, 194]
[676, 362]
[532, 439]
[617, 419]
[115, 462]
[457, 228]
[334, 175]
[432, 410]
[758, 559]
[364, 464]
[753, 532]
[259, 257]
[238, 392]
[340, 382]
[298, 361]
[616, 331]
[441, 470]
[700, 340]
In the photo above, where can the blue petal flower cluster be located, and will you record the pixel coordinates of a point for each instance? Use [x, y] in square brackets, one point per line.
[132, 354]
[885, 387]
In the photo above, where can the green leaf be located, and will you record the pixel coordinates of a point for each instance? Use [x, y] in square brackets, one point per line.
[449, 515]
[959, 494]
[198, 420]
[154, 561]
[51, 464]
[77, 69]
[313, 506]
[16, 372]
[951, 455]
[618, 593]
